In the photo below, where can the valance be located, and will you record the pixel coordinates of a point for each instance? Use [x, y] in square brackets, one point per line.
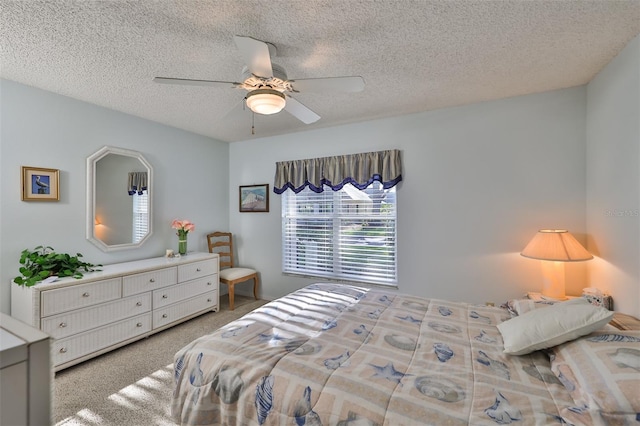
[360, 170]
[137, 183]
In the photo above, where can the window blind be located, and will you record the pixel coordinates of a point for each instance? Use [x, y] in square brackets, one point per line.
[348, 234]
[140, 215]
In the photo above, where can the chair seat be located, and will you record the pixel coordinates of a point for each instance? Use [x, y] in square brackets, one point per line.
[231, 274]
[222, 244]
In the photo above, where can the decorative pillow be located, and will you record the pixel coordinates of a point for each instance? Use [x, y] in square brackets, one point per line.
[522, 306]
[602, 372]
[545, 328]
[536, 301]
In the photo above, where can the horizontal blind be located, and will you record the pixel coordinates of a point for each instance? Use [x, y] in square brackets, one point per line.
[140, 216]
[346, 235]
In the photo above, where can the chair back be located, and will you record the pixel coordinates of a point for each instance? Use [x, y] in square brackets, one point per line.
[222, 244]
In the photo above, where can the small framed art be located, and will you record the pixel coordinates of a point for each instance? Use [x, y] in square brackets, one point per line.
[40, 184]
[254, 198]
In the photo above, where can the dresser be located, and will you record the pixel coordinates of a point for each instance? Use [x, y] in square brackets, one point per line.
[122, 303]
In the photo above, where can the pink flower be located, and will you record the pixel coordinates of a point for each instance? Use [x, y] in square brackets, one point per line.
[183, 226]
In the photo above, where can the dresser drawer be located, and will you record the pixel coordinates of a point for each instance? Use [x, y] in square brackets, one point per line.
[69, 323]
[178, 311]
[147, 281]
[168, 295]
[194, 270]
[65, 350]
[79, 296]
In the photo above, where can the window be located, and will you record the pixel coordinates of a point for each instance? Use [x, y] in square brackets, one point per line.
[348, 234]
[140, 215]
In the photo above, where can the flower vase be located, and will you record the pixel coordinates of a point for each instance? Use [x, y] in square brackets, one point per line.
[182, 244]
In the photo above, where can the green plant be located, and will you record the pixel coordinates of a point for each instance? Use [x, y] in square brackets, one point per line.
[43, 262]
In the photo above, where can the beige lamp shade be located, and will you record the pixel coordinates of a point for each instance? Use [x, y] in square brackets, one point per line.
[556, 245]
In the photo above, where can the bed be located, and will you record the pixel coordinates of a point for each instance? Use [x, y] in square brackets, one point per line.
[331, 354]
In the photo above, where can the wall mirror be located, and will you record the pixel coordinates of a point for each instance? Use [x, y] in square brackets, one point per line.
[119, 191]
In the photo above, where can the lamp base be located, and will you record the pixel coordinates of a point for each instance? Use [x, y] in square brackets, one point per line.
[553, 279]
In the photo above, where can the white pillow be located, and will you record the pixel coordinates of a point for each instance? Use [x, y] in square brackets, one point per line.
[544, 328]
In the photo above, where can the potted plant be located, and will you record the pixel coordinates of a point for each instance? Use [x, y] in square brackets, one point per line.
[43, 262]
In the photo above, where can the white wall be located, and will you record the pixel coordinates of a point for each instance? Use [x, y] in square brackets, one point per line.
[613, 178]
[41, 129]
[479, 181]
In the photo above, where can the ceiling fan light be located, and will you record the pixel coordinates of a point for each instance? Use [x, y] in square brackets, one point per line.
[265, 101]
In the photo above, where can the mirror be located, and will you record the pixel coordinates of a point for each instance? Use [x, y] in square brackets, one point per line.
[117, 220]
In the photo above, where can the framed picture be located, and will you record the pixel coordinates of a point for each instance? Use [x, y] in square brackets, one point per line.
[40, 184]
[254, 198]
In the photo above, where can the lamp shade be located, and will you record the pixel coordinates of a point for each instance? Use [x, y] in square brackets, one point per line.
[265, 101]
[556, 245]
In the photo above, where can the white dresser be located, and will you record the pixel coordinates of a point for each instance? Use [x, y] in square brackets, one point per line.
[120, 304]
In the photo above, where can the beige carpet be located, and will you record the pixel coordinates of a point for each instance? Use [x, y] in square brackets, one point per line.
[132, 385]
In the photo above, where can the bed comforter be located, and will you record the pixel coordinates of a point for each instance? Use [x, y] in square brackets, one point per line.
[333, 354]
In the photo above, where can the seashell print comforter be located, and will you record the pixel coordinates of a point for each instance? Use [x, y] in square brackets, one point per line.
[331, 354]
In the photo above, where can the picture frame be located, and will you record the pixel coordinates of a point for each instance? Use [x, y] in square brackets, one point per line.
[40, 184]
[254, 198]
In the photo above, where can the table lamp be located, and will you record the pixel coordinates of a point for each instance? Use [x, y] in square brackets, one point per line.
[553, 247]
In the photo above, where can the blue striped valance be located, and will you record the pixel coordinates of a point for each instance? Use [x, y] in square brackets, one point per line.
[360, 170]
[137, 183]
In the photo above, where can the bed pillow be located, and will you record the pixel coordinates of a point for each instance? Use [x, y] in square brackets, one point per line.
[522, 306]
[601, 372]
[536, 301]
[545, 328]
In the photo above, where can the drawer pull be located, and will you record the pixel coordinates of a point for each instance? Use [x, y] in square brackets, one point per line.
[208, 300]
[164, 296]
[209, 283]
[139, 324]
[85, 294]
[197, 269]
[164, 315]
[62, 325]
[139, 304]
[63, 350]
[152, 280]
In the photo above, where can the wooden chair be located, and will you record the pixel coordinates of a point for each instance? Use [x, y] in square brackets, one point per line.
[222, 243]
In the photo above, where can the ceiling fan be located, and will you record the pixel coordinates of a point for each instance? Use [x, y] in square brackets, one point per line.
[267, 84]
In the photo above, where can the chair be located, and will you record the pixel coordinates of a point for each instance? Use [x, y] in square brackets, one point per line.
[222, 244]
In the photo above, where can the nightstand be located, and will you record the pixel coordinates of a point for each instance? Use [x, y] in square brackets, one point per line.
[25, 374]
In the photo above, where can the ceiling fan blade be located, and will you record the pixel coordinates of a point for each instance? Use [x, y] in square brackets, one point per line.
[329, 84]
[236, 109]
[300, 111]
[190, 82]
[256, 55]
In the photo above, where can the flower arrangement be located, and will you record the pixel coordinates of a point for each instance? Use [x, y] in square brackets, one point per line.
[183, 227]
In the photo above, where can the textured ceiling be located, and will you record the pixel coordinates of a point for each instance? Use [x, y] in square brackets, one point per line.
[413, 55]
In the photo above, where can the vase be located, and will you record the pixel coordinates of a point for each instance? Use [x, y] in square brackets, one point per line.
[182, 244]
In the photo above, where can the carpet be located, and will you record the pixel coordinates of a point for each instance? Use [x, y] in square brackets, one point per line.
[132, 385]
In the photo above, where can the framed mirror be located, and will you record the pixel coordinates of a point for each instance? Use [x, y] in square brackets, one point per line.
[119, 193]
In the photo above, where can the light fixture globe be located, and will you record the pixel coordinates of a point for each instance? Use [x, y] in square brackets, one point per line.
[265, 101]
